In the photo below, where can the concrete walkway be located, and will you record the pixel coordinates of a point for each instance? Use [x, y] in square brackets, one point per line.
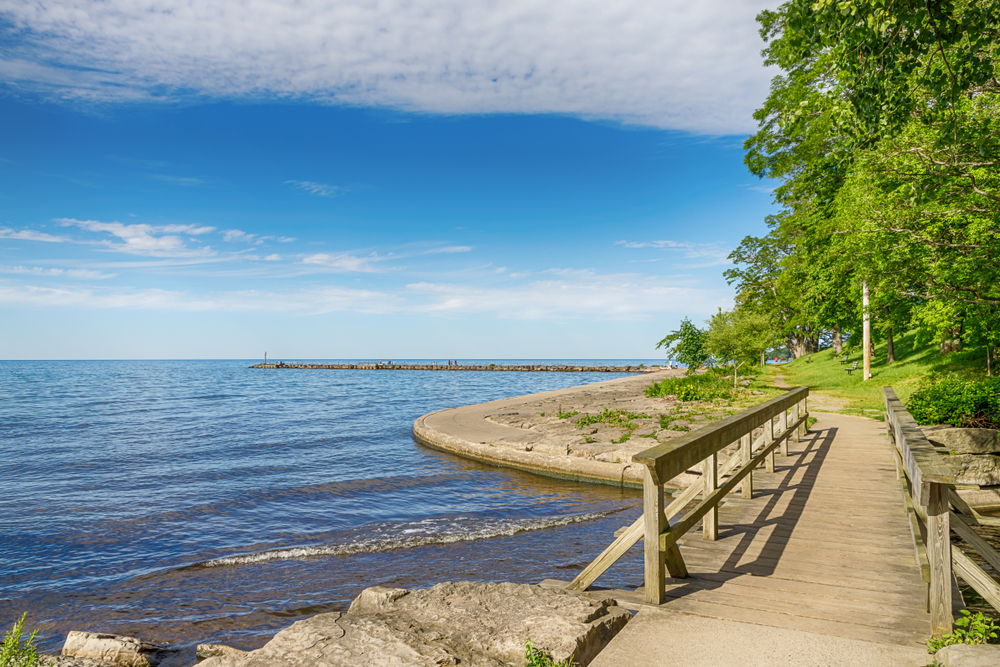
[817, 569]
[657, 638]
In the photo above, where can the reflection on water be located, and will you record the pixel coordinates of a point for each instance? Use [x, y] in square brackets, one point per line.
[202, 501]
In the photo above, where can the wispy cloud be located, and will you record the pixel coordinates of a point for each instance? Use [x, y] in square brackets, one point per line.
[448, 249]
[32, 235]
[272, 258]
[321, 189]
[238, 236]
[308, 301]
[716, 253]
[82, 274]
[673, 64]
[344, 262]
[177, 180]
[142, 239]
[576, 295]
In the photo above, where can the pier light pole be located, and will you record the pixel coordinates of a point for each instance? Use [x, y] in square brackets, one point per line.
[866, 338]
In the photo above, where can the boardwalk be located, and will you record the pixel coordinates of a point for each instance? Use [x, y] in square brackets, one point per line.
[823, 547]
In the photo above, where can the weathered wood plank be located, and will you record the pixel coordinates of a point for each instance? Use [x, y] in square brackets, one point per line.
[974, 575]
[973, 539]
[921, 461]
[746, 452]
[939, 560]
[710, 480]
[653, 523]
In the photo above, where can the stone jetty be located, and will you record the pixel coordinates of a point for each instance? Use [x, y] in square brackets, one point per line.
[484, 367]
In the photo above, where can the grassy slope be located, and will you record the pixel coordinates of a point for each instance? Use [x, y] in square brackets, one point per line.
[826, 376]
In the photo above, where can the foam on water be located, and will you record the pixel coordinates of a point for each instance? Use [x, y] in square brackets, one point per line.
[430, 531]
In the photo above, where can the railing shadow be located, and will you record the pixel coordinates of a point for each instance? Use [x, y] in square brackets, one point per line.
[804, 468]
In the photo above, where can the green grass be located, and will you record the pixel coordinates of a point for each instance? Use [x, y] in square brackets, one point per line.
[825, 375]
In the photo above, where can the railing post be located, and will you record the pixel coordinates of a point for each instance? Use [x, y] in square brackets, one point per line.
[795, 419]
[746, 489]
[768, 439]
[939, 559]
[654, 521]
[783, 425]
[710, 475]
[803, 429]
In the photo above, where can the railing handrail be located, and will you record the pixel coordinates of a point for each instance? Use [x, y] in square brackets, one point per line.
[667, 460]
[927, 481]
[921, 462]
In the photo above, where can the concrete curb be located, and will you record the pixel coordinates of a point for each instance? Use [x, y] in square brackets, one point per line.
[572, 468]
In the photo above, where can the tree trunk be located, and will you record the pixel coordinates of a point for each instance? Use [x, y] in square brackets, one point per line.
[838, 341]
[890, 354]
[797, 345]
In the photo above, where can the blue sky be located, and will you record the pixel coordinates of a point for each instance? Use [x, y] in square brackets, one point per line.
[477, 184]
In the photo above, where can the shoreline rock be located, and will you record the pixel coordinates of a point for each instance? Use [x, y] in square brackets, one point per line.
[468, 623]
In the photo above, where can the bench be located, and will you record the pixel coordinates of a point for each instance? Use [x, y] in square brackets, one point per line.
[853, 367]
[843, 359]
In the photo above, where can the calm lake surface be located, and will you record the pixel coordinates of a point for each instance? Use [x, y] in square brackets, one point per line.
[202, 501]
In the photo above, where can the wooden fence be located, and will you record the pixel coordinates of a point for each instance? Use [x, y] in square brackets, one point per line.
[699, 449]
[928, 490]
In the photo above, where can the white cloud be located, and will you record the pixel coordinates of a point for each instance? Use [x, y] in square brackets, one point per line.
[139, 239]
[448, 249]
[311, 301]
[84, 274]
[716, 253]
[321, 189]
[344, 262]
[272, 258]
[674, 64]
[177, 180]
[581, 294]
[237, 236]
[562, 294]
[31, 235]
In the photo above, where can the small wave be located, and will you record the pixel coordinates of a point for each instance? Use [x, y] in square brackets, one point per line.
[413, 535]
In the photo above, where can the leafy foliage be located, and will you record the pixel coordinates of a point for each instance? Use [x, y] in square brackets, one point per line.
[619, 418]
[536, 657]
[969, 629]
[704, 387]
[957, 401]
[15, 654]
[687, 345]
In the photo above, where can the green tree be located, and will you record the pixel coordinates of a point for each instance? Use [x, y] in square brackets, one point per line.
[686, 345]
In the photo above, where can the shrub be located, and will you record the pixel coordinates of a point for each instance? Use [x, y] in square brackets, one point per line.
[702, 387]
[15, 654]
[969, 629]
[957, 401]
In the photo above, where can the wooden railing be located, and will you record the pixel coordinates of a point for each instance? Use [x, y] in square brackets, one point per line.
[699, 448]
[928, 490]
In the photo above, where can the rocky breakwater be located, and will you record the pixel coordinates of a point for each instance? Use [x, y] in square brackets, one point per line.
[973, 454]
[588, 433]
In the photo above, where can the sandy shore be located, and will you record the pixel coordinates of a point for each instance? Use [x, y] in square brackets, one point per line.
[542, 433]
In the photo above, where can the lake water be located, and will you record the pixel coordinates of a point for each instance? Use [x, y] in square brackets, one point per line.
[202, 501]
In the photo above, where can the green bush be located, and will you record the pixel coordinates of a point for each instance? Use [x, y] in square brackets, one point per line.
[957, 401]
[702, 387]
[969, 629]
[15, 654]
[536, 657]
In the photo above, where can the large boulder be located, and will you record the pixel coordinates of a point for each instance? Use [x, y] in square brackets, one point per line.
[119, 649]
[981, 469]
[965, 440]
[467, 624]
[964, 655]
